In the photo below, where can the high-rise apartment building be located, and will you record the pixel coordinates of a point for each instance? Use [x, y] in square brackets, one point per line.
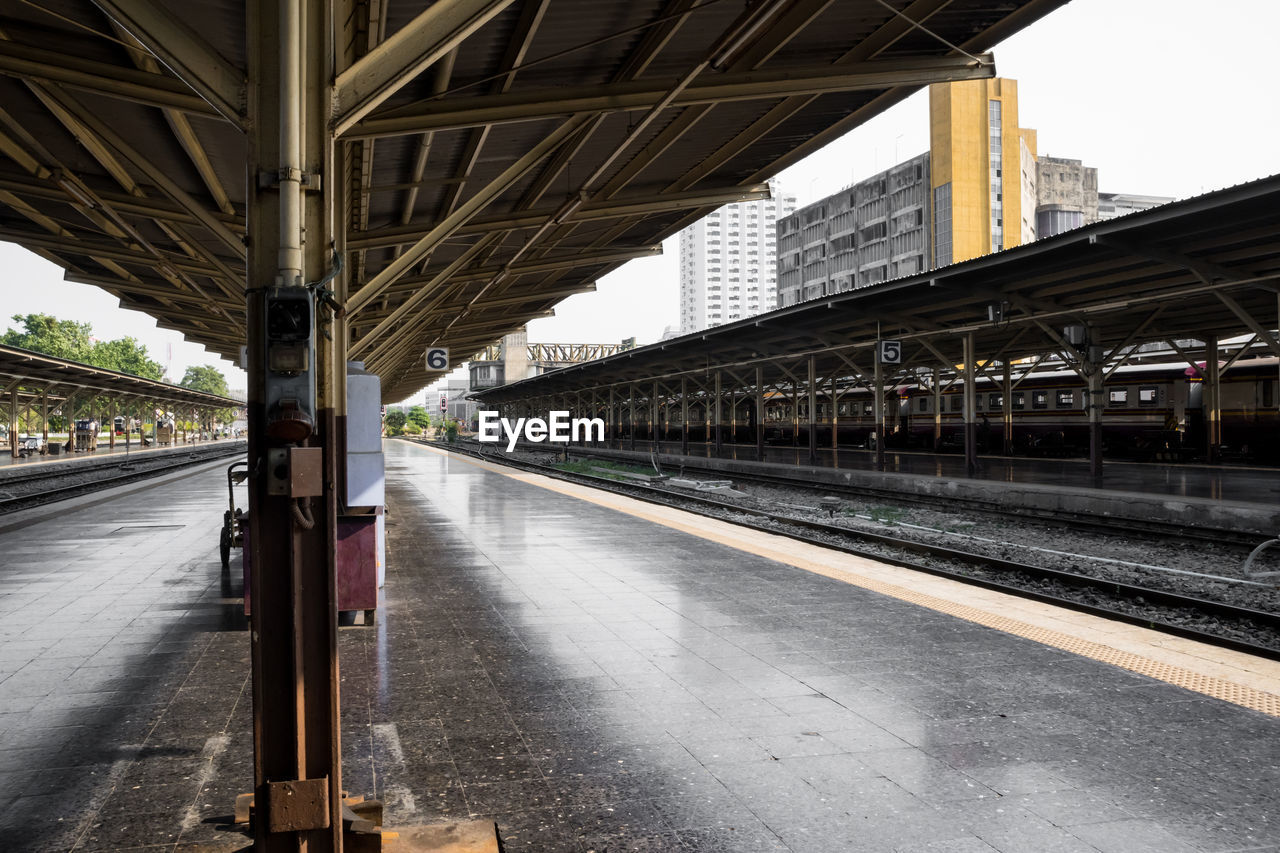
[870, 232]
[728, 262]
[979, 169]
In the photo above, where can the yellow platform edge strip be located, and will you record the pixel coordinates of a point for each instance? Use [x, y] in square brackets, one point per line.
[1208, 685]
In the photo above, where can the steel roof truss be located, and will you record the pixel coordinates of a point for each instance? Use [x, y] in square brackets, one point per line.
[426, 39]
[184, 52]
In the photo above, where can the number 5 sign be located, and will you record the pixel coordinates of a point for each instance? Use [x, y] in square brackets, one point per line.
[438, 358]
[890, 352]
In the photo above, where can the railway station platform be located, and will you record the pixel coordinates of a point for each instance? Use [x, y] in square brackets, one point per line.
[1230, 497]
[9, 462]
[596, 674]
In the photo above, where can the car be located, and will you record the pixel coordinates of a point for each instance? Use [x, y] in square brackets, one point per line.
[29, 444]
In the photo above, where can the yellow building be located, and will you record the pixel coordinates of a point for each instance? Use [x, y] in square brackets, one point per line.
[982, 170]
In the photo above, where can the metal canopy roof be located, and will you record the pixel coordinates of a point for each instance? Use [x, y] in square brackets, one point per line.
[501, 154]
[37, 372]
[1205, 266]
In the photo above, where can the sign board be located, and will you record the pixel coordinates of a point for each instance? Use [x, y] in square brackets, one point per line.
[438, 358]
[890, 352]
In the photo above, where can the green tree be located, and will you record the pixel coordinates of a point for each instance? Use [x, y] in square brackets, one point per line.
[209, 379]
[51, 336]
[395, 421]
[127, 356]
[418, 417]
[206, 378]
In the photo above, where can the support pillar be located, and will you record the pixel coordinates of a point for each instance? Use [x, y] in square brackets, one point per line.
[1006, 439]
[970, 407]
[937, 409]
[653, 419]
[1094, 403]
[13, 422]
[760, 412]
[111, 430]
[684, 416]
[631, 403]
[813, 410]
[835, 421]
[718, 413]
[292, 239]
[879, 412]
[44, 417]
[1212, 401]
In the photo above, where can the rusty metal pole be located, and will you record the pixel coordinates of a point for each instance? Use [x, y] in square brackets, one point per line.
[292, 239]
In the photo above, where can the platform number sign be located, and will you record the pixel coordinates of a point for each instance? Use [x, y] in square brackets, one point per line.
[890, 352]
[438, 358]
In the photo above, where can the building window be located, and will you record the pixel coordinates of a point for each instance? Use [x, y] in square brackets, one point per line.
[1118, 397]
[1066, 399]
[1147, 395]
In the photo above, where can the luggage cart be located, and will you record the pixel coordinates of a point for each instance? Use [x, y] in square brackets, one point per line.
[234, 521]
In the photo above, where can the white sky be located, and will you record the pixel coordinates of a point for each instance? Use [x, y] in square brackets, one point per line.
[1164, 97]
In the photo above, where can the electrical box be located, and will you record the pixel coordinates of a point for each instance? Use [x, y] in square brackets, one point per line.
[296, 472]
[290, 362]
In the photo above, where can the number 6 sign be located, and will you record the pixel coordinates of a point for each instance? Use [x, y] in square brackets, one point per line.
[438, 358]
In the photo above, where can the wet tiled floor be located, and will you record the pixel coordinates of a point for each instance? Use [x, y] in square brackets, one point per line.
[592, 681]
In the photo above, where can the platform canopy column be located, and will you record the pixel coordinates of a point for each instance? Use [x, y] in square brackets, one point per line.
[44, 417]
[813, 409]
[111, 428]
[970, 406]
[1212, 400]
[684, 416]
[879, 410]
[717, 413]
[937, 409]
[296, 414]
[759, 412]
[653, 419]
[631, 403]
[1006, 397]
[13, 420]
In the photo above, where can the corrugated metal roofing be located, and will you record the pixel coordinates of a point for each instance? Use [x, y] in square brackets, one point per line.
[108, 214]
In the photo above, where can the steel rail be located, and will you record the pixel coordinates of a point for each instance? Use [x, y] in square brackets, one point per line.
[57, 493]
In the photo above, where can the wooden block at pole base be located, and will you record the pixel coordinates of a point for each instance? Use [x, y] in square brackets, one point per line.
[473, 836]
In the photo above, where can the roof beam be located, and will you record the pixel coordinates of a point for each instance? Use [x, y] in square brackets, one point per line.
[470, 208]
[426, 39]
[140, 87]
[184, 52]
[588, 212]
[458, 113]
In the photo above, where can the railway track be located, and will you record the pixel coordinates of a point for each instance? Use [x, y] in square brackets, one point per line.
[1219, 623]
[1076, 521]
[46, 486]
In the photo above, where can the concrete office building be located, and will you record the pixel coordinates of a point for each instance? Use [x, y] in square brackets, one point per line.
[728, 262]
[869, 232]
[1066, 195]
